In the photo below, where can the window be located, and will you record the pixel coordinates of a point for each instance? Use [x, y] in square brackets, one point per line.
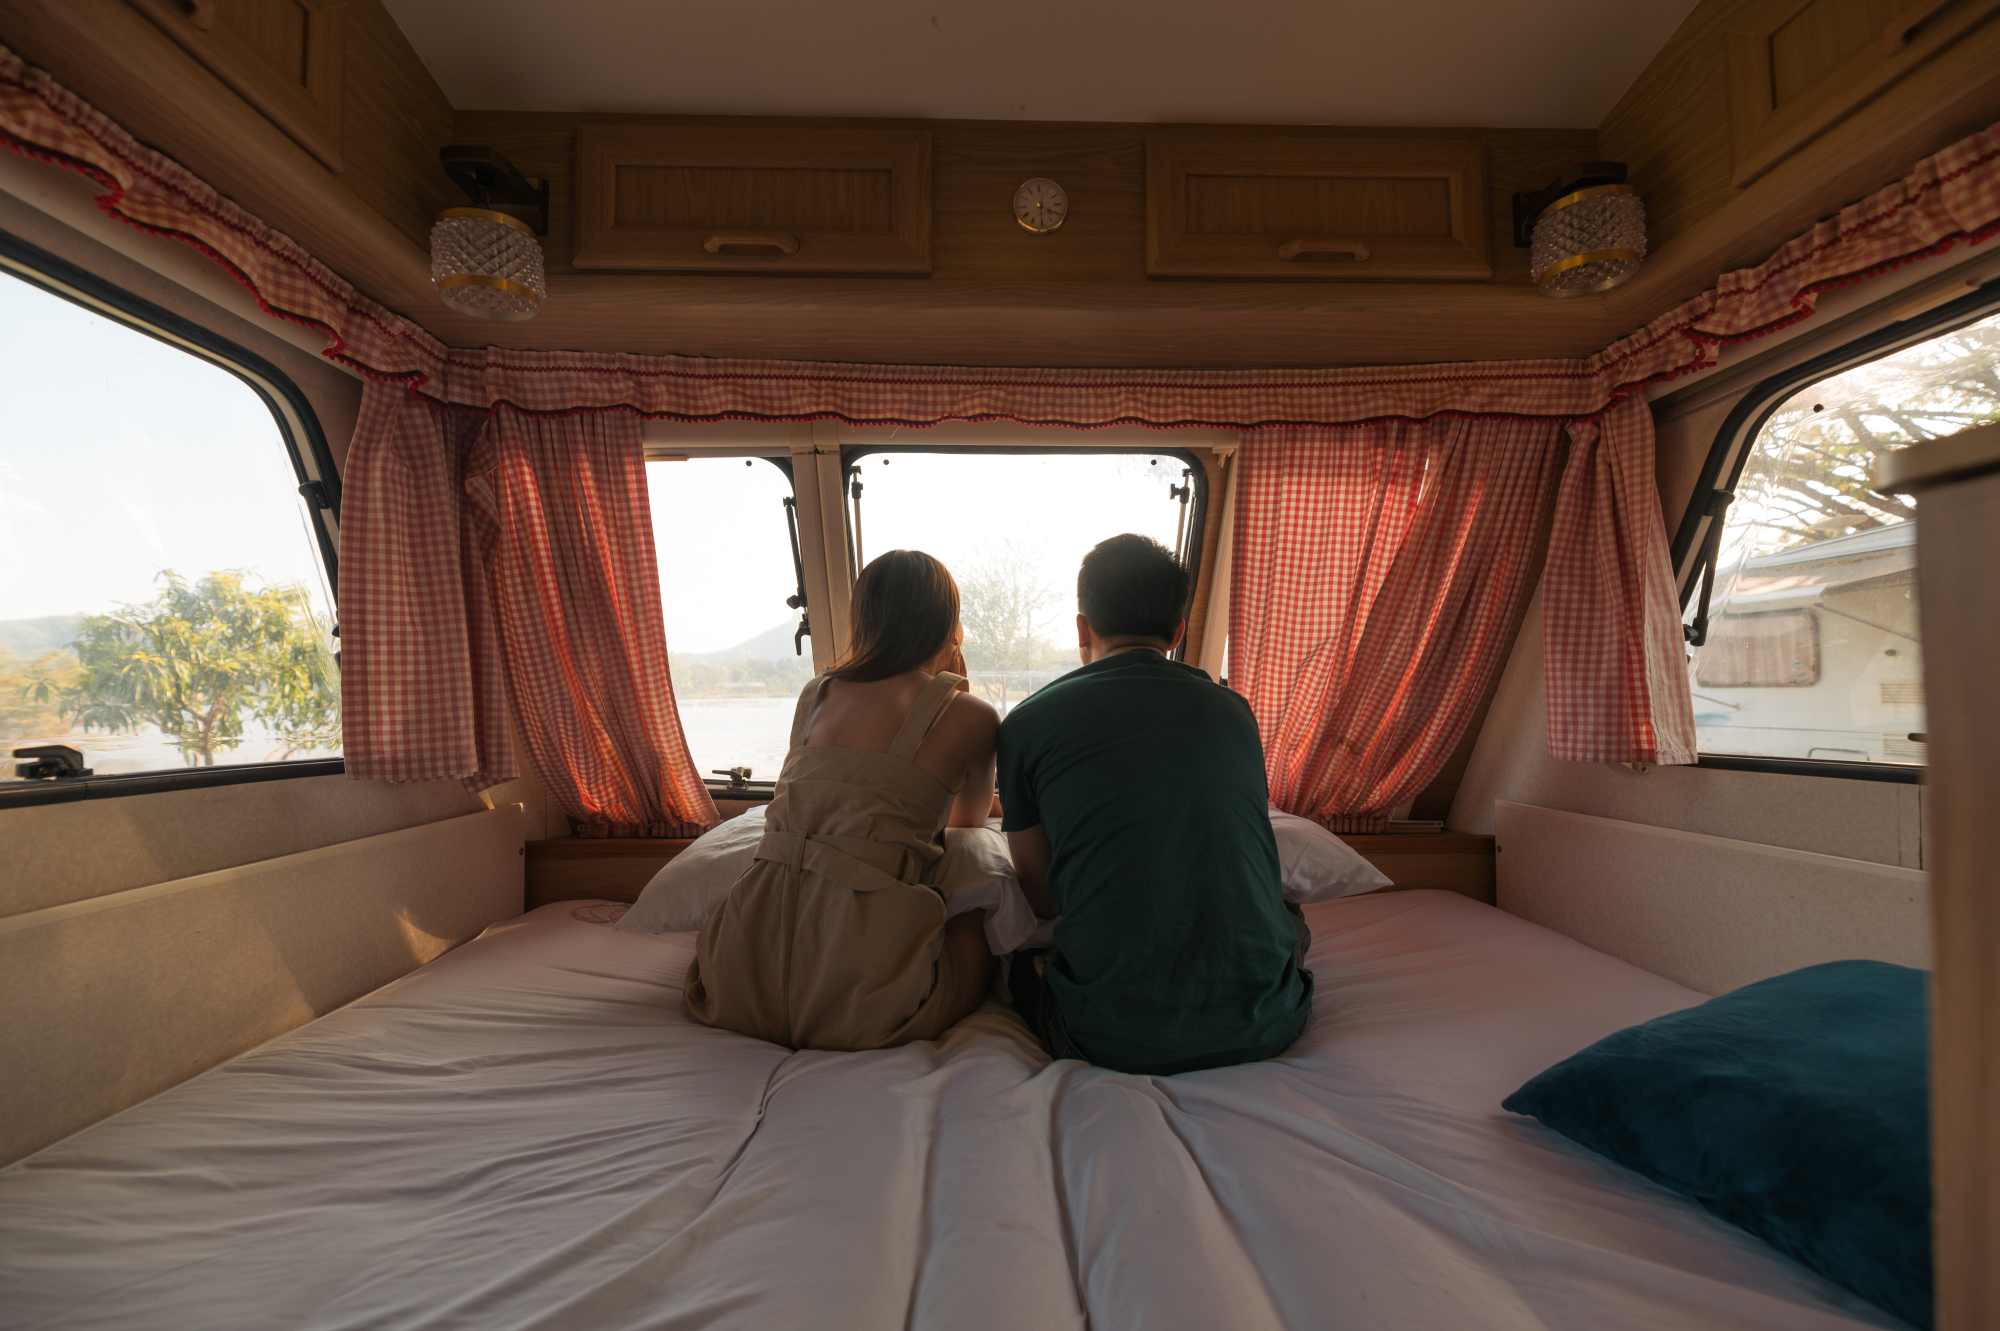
[1012, 527]
[730, 589]
[1811, 650]
[164, 604]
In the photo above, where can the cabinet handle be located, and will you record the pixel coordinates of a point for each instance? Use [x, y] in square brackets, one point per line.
[758, 244]
[1294, 250]
[1906, 25]
[201, 13]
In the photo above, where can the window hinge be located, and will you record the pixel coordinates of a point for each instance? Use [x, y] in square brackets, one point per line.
[1696, 630]
[50, 762]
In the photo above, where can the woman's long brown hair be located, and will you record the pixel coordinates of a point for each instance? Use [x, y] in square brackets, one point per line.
[905, 609]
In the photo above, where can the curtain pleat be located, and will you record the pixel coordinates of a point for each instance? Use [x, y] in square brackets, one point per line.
[1381, 574]
[500, 568]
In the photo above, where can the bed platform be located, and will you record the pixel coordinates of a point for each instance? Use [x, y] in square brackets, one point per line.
[528, 1133]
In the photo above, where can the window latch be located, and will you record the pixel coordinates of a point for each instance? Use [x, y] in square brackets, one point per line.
[1696, 631]
[315, 493]
[50, 762]
[739, 777]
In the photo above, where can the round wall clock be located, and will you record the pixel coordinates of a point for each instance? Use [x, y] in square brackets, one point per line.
[1040, 205]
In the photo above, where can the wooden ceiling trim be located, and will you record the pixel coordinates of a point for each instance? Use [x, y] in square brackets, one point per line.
[999, 296]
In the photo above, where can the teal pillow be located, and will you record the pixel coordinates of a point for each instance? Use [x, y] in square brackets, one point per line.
[1797, 1108]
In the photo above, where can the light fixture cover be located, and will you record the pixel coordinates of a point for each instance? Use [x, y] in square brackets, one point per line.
[487, 264]
[1590, 239]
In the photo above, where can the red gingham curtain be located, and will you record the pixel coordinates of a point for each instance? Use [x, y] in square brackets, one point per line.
[1380, 574]
[502, 565]
[422, 697]
[1617, 660]
[564, 532]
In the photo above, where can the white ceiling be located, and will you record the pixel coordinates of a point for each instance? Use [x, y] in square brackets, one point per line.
[1475, 63]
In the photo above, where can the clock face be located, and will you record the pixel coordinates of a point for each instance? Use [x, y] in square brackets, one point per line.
[1040, 205]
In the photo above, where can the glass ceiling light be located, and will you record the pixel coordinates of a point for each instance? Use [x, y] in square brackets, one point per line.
[485, 260]
[1583, 235]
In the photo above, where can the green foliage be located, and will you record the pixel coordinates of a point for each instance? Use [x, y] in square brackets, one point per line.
[198, 659]
[31, 693]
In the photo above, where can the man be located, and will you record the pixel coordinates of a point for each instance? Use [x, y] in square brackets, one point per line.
[1135, 806]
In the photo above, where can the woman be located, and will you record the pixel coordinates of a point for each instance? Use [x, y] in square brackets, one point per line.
[834, 938]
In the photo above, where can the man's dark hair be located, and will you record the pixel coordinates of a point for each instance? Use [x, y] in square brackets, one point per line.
[1132, 587]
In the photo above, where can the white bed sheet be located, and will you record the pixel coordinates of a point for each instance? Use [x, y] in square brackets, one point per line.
[527, 1133]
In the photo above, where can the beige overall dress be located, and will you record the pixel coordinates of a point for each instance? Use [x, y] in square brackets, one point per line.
[833, 938]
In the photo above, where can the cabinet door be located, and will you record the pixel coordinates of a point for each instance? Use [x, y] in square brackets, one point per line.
[281, 56]
[1228, 205]
[701, 198]
[1798, 67]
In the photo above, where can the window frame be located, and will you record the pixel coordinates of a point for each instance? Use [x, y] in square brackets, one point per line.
[1723, 469]
[853, 449]
[694, 449]
[312, 467]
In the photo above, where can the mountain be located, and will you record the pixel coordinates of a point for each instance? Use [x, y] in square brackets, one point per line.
[773, 644]
[29, 638]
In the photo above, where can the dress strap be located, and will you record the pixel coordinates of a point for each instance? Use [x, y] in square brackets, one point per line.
[929, 706]
[808, 704]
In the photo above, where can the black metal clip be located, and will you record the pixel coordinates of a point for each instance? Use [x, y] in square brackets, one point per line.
[50, 762]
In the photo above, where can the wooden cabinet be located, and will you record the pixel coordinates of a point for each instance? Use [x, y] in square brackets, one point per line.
[618, 868]
[281, 56]
[1270, 205]
[1798, 67]
[735, 199]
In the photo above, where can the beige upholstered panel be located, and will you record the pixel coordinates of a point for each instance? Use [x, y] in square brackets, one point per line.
[59, 853]
[1709, 912]
[116, 998]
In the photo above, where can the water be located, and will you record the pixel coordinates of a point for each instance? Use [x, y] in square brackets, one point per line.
[721, 733]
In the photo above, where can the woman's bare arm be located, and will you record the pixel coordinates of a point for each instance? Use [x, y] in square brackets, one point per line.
[973, 804]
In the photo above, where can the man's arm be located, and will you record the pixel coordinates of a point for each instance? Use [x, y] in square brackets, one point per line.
[1030, 849]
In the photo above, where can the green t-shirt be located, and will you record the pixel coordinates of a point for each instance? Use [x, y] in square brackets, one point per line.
[1175, 950]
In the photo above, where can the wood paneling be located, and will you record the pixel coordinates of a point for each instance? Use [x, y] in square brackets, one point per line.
[1460, 862]
[1078, 296]
[366, 222]
[394, 120]
[1798, 67]
[282, 56]
[1263, 203]
[752, 198]
[1673, 128]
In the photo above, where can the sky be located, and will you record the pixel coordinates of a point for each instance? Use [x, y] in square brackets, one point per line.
[121, 456]
[726, 562]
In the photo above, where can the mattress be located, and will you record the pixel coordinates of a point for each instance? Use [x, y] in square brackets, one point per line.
[527, 1133]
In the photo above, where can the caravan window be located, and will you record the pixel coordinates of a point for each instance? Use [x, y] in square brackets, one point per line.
[1813, 650]
[1012, 527]
[164, 604]
[727, 578]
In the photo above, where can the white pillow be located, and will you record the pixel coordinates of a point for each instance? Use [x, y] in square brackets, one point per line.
[694, 882]
[976, 874]
[1316, 865]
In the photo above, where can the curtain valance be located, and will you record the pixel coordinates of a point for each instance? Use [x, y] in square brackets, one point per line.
[1951, 197]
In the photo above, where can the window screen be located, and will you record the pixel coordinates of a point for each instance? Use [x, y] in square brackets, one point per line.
[1813, 648]
[721, 534]
[162, 602]
[1012, 528]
